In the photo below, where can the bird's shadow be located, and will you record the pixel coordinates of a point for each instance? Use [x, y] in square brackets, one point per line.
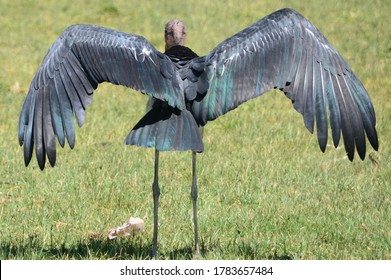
[98, 248]
[32, 247]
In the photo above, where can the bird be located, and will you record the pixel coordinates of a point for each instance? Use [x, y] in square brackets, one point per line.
[283, 51]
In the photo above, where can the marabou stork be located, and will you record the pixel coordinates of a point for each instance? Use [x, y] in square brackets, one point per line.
[283, 51]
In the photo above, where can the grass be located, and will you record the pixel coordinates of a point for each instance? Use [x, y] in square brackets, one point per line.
[266, 190]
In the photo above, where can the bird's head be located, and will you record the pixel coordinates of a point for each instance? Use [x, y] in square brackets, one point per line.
[174, 33]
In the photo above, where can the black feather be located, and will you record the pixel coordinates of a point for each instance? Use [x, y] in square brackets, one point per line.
[167, 128]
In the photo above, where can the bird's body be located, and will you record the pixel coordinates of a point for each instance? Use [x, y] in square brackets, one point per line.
[165, 127]
[282, 50]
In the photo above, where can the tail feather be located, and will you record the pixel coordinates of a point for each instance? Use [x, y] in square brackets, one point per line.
[167, 129]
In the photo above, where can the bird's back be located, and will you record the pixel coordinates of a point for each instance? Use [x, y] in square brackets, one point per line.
[165, 127]
[180, 54]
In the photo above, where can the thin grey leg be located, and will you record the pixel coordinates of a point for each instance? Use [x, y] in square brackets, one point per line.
[194, 195]
[156, 194]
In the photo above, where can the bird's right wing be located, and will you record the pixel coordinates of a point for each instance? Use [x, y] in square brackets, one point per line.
[285, 51]
[81, 58]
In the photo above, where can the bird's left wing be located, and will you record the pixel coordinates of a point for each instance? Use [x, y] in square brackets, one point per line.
[285, 51]
[81, 58]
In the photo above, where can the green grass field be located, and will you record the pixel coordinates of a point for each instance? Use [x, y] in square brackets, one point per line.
[266, 191]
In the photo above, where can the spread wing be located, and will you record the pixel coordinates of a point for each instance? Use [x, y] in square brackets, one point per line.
[81, 58]
[285, 51]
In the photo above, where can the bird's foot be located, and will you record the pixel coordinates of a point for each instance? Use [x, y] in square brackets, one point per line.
[196, 253]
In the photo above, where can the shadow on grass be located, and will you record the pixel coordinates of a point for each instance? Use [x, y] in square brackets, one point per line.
[91, 248]
[133, 248]
[101, 249]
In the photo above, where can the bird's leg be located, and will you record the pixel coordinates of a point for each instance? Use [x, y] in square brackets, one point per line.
[194, 195]
[156, 193]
